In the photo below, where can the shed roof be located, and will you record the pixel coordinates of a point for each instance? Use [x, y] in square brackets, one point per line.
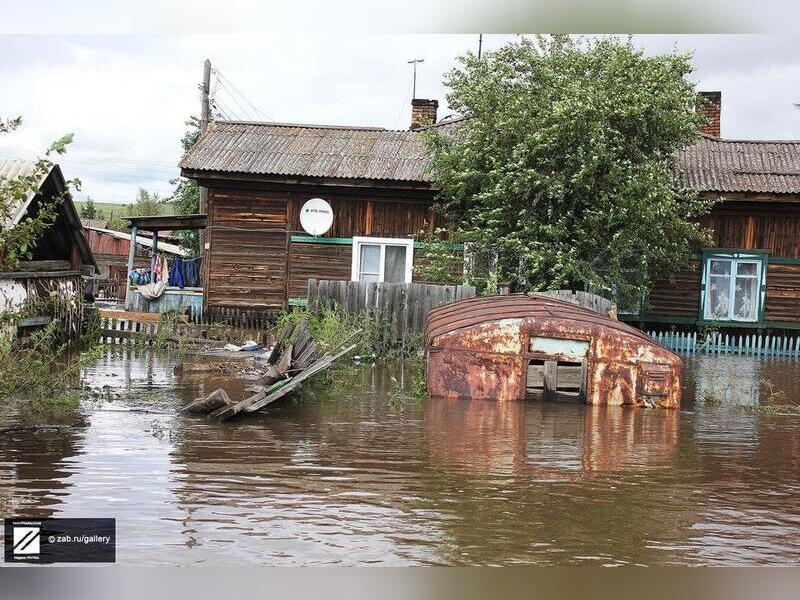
[719, 165]
[142, 240]
[10, 169]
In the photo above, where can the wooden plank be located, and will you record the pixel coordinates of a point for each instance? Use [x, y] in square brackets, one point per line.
[279, 343]
[135, 316]
[215, 400]
[550, 381]
[285, 362]
[33, 321]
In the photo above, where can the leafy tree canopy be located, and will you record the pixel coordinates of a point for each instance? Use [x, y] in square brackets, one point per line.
[89, 210]
[146, 204]
[565, 162]
[186, 195]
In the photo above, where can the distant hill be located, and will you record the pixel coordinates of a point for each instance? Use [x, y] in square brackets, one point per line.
[118, 210]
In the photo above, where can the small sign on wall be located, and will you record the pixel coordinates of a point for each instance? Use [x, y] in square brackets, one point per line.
[316, 216]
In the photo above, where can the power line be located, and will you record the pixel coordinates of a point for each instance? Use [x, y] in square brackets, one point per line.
[402, 107]
[230, 84]
[71, 155]
[239, 104]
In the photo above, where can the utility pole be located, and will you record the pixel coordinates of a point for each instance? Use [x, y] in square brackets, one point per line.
[415, 61]
[480, 45]
[204, 115]
[205, 88]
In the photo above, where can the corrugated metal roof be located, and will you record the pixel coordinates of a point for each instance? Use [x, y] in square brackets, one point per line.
[141, 240]
[709, 164]
[11, 169]
[310, 151]
[720, 165]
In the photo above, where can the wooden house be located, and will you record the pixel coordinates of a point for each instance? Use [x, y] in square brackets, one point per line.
[260, 174]
[61, 255]
[258, 177]
[749, 278]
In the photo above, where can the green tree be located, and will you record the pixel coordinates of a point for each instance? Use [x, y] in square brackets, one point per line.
[146, 204]
[186, 195]
[89, 210]
[19, 241]
[565, 162]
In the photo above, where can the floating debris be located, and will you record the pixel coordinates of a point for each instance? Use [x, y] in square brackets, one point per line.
[290, 362]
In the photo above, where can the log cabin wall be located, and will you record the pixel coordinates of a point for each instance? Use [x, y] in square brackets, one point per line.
[253, 261]
[770, 224]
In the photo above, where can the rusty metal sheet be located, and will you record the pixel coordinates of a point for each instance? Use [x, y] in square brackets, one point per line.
[481, 348]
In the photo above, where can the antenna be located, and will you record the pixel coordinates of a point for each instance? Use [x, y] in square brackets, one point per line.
[415, 62]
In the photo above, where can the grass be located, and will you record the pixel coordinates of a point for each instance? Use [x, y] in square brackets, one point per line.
[118, 209]
[44, 372]
[770, 399]
[331, 328]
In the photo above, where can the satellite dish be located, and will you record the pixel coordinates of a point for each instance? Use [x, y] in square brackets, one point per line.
[316, 216]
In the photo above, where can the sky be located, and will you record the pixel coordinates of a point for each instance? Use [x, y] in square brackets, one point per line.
[126, 97]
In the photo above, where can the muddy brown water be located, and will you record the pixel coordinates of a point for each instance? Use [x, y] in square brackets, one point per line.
[359, 476]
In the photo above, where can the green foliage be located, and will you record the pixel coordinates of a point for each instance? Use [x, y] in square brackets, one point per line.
[440, 260]
[186, 195]
[45, 371]
[89, 210]
[331, 327]
[19, 242]
[146, 204]
[7, 125]
[565, 164]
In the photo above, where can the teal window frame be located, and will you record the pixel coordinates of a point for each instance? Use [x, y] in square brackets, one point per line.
[733, 254]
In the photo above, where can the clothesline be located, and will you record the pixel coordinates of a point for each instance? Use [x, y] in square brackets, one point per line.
[181, 273]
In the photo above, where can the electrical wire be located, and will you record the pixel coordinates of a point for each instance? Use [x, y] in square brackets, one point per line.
[230, 84]
[403, 106]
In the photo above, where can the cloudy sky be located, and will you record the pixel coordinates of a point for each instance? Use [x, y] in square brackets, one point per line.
[126, 97]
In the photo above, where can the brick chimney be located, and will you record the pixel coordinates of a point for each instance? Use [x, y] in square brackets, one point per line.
[709, 106]
[423, 112]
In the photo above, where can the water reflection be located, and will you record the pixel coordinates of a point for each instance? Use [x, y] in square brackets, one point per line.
[360, 477]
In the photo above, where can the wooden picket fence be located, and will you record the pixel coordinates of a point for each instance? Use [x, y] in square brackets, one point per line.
[150, 332]
[723, 343]
[405, 305]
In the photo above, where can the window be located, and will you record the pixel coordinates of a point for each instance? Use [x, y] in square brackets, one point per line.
[733, 287]
[382, 259]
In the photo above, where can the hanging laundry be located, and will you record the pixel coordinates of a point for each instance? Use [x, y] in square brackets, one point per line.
[176, 273]
[158, 268]
[139, 276]
[190, 272]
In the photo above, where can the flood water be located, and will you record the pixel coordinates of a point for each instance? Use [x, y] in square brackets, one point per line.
[362, 476]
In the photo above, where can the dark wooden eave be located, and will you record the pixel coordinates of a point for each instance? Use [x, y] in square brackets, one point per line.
[168, 222]
[216, 178]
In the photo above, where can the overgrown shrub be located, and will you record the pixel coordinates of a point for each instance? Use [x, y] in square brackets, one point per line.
[43, 371]
[331, 328]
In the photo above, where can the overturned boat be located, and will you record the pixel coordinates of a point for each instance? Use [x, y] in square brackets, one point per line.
[521, 346]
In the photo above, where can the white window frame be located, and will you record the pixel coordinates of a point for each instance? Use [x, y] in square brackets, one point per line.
[734, 259]
[408, 243]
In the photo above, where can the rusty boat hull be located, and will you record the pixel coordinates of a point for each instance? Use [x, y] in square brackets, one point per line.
[520, 346]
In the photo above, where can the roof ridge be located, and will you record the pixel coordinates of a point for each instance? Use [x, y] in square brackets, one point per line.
[306, 125]
[712, 138]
